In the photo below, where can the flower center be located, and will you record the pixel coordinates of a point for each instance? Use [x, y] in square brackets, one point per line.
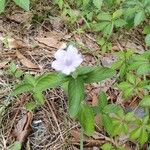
[68, 62]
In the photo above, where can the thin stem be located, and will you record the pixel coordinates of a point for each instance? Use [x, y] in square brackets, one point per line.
[81, 139]
[145, 93]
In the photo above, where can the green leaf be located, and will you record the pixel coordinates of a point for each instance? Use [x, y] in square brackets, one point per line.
[108, 29]
[21, 88]
[50, 80]
[131, 78]
[18, 73]
[111, 108]
[84, 70]
[86, 2]
[143, 69]
[145, 101]
[100, 26]
[117, 13]
[2, 5]
[139, 18]
[104, 16]
[146, 29]
[30, 106]
[102, 100]
[24, 4]
[75, 95]
[106, 146]
[143, 136]
[15, 146]
[98, 3]
[86, 119]
[135, 133]
[147, 39]
[107, 123]
[99, 74]
[120, 23]
[30, 79]
[117, 64]
[39, 98]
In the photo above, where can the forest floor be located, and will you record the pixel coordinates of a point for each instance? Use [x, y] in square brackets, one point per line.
[31, 47]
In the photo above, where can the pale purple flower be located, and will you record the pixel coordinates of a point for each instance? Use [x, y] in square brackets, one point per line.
[67, 60]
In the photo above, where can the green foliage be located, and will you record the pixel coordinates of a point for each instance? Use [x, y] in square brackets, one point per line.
[76, 95]
[36, 85]
[24, 4]
[15, 146]
[141, 131]
[86, 118]
[2, 5]
[123, 62]
[132, 86]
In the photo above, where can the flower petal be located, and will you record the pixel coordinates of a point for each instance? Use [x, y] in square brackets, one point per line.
[57, 65]
[72, 50]
[68, 70]
[60, 54]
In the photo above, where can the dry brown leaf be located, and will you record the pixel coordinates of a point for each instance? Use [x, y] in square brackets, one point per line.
[20, 16]
[4, 63]
[26, 62]
[23, 127]
[52, 41]
[12, 43]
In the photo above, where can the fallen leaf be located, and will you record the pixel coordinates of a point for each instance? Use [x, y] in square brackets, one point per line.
[20, 16]
[52, 41]
[11, 43]
[23, 127]
[4, 63]
[26, 62]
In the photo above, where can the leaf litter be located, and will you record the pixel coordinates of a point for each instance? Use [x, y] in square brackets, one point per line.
[50, 124]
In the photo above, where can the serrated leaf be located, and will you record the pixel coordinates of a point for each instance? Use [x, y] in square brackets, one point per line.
[100, 26]
[108, 30]
[145, 101]
[147, 39]
[99, 74]
[107, 123]
[135, 133]
[120, 23]
[2, 5]
[111, 108]
[117, 13]
[139, 18]
[146, 29]
[131, 78]
[143, 136]
[24, 4]
[143, 69]
[86, 118]
[102, 100]
[104, 16]
[21, 88]
[98, 3]
[75, 95]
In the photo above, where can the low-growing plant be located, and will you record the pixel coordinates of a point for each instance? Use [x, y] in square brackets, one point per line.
[24, 4]
[73, 78]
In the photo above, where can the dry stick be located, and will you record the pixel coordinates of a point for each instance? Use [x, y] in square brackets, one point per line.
[55, 120]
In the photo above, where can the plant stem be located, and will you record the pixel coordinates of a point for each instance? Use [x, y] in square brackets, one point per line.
[81, 139]
[145, 93]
